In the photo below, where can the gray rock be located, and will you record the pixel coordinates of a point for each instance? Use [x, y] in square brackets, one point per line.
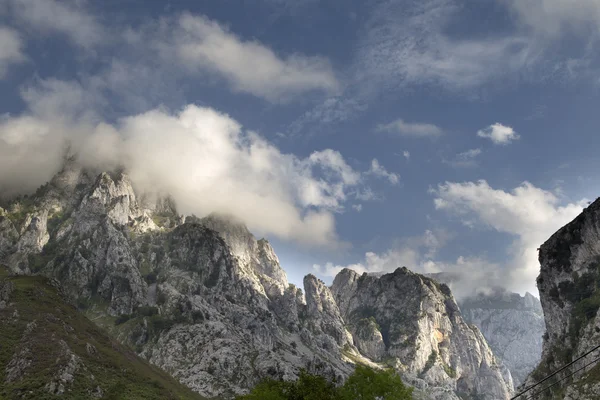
[568, 286]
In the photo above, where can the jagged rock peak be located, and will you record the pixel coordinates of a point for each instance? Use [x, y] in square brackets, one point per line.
[257, 257]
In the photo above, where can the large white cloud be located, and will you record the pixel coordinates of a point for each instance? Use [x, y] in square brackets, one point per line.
[248, 66]
[11, 49]
[203, 158]
[529, 214]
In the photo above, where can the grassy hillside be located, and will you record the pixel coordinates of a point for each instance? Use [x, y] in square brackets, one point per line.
[48, 350]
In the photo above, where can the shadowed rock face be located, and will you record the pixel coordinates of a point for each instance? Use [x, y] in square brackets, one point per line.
[569, 286]
[211, 305]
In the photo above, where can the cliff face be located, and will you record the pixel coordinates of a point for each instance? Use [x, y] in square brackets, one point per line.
[569, 286]
[208, 303]
[414, 324]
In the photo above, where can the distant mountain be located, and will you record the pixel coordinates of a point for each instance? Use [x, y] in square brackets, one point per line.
[48, 350]
[207, 302]
[512, 324]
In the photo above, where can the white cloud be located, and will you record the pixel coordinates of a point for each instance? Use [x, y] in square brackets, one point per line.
[204, 152]
[406, 154]
[68, 17]
[413, 253]
[357, 207]
[380, 171]
[414, 129]
[249, 66]
[332, 110]
[365, 194]
[529, 214]
[11, 49]
[409, 45]
[374, 262]
[551, 18]
[499, 134]
[465, 159]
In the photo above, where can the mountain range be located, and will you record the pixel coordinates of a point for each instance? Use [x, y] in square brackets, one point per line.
[206, 303]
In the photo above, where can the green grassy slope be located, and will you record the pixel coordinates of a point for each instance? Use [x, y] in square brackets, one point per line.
[48, 350]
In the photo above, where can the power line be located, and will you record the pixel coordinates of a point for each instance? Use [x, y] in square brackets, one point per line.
[562, 379]
[554, 373]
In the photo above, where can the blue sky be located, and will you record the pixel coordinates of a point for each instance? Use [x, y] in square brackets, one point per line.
[442, 135]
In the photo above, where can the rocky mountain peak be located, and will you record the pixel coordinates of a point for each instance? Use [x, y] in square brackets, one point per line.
[257, 257]
[415, 321]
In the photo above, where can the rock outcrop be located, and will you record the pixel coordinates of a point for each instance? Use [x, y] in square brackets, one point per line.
[413, 323]
[206, 301]
[569, 286]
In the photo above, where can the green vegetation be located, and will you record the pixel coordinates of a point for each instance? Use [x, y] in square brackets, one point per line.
[364, 384]
[49, 334]
[430, 362]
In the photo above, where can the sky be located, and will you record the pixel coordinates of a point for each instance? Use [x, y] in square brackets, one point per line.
[440, 135]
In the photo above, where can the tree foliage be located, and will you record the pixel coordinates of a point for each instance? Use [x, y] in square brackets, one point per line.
[364, 384]
[368, 384]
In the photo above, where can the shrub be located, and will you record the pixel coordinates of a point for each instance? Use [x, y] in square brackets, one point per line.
[121, 319]
[363, 384]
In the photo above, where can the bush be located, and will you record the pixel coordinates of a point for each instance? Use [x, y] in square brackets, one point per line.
[150, 278]
[368, 384]
[363, 384]
[147, 311]
[121, 319]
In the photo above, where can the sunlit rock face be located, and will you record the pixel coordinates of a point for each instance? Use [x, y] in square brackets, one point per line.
[206, 301]
[413, 323]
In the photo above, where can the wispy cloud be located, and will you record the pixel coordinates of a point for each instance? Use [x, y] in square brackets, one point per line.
[499, 134]
[11, 51]
[71, 18]
[418, 51]
[380, 171]
[465, 159]
[550, 18]
[410, 129]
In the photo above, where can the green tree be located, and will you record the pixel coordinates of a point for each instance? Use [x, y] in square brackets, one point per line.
[269, 389]
[363, 384]
[307, 387]
[368, 384]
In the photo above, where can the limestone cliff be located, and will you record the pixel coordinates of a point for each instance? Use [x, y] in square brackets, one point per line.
[569, 286]
[413, 323]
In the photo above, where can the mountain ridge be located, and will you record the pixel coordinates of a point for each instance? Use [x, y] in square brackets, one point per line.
[205, 301]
